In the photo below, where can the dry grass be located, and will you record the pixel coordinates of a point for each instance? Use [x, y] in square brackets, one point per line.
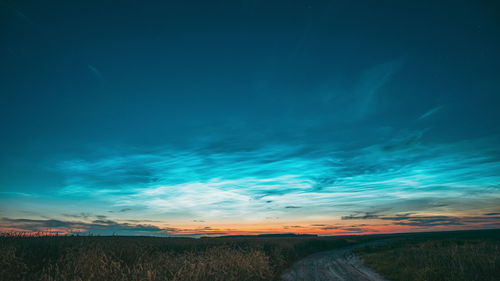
[154, 259]
[447, 256]
[218, 263]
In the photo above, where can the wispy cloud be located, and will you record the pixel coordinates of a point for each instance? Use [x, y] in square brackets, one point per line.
[402, 175]
[99, 226]
[292, 226]
[96, 72]
[23, 16]
[370, 84]
[430, 112]
[438, 220]
[79, 215]
[361, 216]
[428, 221]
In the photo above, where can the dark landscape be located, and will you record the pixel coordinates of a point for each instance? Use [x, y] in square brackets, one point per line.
[451, 256]
[250, 140]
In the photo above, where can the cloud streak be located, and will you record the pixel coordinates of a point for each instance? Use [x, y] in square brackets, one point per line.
[430, 112]
[97, 227]
[370, 84]
[287, 183]
[403, 175]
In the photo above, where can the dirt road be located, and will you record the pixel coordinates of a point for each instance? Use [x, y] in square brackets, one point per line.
[336, 265]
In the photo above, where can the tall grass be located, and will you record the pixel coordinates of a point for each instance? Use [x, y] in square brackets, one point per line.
[455, 256]
[217, 263]
[155, 259]
[436, 259]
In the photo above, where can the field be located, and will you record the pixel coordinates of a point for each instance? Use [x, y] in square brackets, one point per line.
[149, 258]
[453, 256]
[427, 256]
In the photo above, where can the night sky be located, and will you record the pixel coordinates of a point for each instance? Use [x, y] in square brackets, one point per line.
[194, 118]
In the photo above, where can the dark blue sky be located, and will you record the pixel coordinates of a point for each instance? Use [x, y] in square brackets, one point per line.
[104, 102]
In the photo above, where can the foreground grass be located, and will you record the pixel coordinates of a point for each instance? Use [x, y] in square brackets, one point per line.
[453, 256]
[459, 256]
[155, 259]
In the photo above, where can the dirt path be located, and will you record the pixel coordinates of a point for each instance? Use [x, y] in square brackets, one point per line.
[336, 265]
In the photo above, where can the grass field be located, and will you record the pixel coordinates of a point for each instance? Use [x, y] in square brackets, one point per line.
[453, 256]
[149, 258]
[427, 256]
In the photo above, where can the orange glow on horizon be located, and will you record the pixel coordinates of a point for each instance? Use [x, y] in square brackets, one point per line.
[249, 230]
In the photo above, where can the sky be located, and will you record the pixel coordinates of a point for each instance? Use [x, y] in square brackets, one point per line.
[207, 118]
